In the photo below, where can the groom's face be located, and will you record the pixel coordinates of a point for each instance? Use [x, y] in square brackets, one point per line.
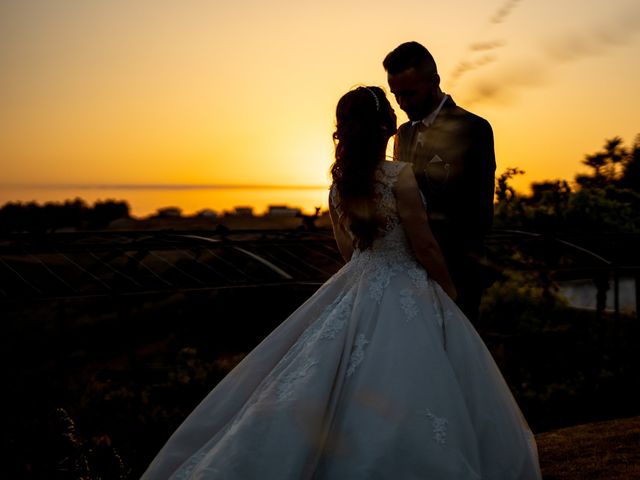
[415, 92]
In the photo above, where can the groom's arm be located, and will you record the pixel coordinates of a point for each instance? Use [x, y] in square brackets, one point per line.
[480, 178]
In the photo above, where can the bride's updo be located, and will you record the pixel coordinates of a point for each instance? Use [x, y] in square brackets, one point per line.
[364, 123]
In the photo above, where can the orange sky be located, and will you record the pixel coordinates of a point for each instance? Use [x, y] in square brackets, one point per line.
[206, 92]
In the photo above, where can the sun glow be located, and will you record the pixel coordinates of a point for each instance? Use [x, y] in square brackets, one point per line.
[198, 93]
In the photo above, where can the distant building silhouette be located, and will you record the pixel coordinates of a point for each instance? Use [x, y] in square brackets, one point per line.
[207, 213]
[169, 212]
[283, 211]
[242, 211]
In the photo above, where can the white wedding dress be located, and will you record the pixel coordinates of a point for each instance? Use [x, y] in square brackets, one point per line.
[377, 376]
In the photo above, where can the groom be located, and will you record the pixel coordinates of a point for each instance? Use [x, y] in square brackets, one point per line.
[453, 159]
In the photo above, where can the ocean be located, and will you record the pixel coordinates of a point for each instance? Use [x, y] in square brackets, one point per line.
[145, 200]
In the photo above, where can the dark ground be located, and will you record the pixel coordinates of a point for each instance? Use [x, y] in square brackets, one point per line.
[104, 353]
[596, 451]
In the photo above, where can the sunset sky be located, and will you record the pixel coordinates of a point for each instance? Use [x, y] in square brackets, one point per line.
[209, 92]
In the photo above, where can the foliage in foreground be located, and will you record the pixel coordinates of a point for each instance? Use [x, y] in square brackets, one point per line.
[606, 200]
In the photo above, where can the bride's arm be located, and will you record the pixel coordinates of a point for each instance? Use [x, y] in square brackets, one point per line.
[416, 224]
[343, 239]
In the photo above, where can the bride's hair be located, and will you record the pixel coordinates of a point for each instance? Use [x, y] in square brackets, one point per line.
[364, 123]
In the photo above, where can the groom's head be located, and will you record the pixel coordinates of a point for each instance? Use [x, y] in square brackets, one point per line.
[413, 79]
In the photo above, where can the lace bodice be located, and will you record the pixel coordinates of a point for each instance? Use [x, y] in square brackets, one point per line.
[391, 234]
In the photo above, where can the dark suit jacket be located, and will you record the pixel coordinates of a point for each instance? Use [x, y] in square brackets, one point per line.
[455, 169]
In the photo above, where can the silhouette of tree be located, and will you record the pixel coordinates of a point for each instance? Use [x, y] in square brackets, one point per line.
[32, 217]
[556, 192]
[608, 164]
[508, 206]
[608, 209]
[616, 155]
[548, 205]
[105, 212]
[504, 191]
[607, 200]
[631, 173]
[597, 161]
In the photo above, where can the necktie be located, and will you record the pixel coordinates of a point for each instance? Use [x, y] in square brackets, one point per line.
[419, 141]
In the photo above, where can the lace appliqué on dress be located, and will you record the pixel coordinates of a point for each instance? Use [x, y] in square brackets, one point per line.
[330, 323]
[380, 278]
[338, 314]
[439, 427]
[357, 355]
[385, 178]
[286, 386]
[408, 304]
[418, 276]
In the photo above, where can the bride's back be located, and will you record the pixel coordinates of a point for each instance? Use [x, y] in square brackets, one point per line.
[390, 233]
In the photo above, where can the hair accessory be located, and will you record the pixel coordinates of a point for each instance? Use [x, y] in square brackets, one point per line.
[375, 97]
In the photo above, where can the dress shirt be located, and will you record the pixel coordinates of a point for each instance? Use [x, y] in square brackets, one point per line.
[429, 119]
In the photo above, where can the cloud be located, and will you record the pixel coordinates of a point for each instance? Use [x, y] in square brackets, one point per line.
[466, 66]
[503, 86]
[503, 12]
[593, 41]
[531, 70]
[483, 46]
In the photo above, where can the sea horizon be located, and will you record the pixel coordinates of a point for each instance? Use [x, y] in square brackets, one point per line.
[161, 186]
[147, 199]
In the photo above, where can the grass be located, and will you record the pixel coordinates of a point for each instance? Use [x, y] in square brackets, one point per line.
[596, 451]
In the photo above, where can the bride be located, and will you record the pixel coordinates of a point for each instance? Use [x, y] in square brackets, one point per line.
[378, 375]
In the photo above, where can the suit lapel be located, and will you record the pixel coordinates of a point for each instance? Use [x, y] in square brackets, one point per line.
[433, 160]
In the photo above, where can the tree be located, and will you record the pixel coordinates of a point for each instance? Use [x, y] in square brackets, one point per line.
[509, 207]
[597, 161]
[608, 165]
[631, 173]
[32, 217]
[504, 191]
[606, 200]
[616, 156]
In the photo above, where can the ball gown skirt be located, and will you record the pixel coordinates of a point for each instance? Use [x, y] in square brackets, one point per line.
[377, 376]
